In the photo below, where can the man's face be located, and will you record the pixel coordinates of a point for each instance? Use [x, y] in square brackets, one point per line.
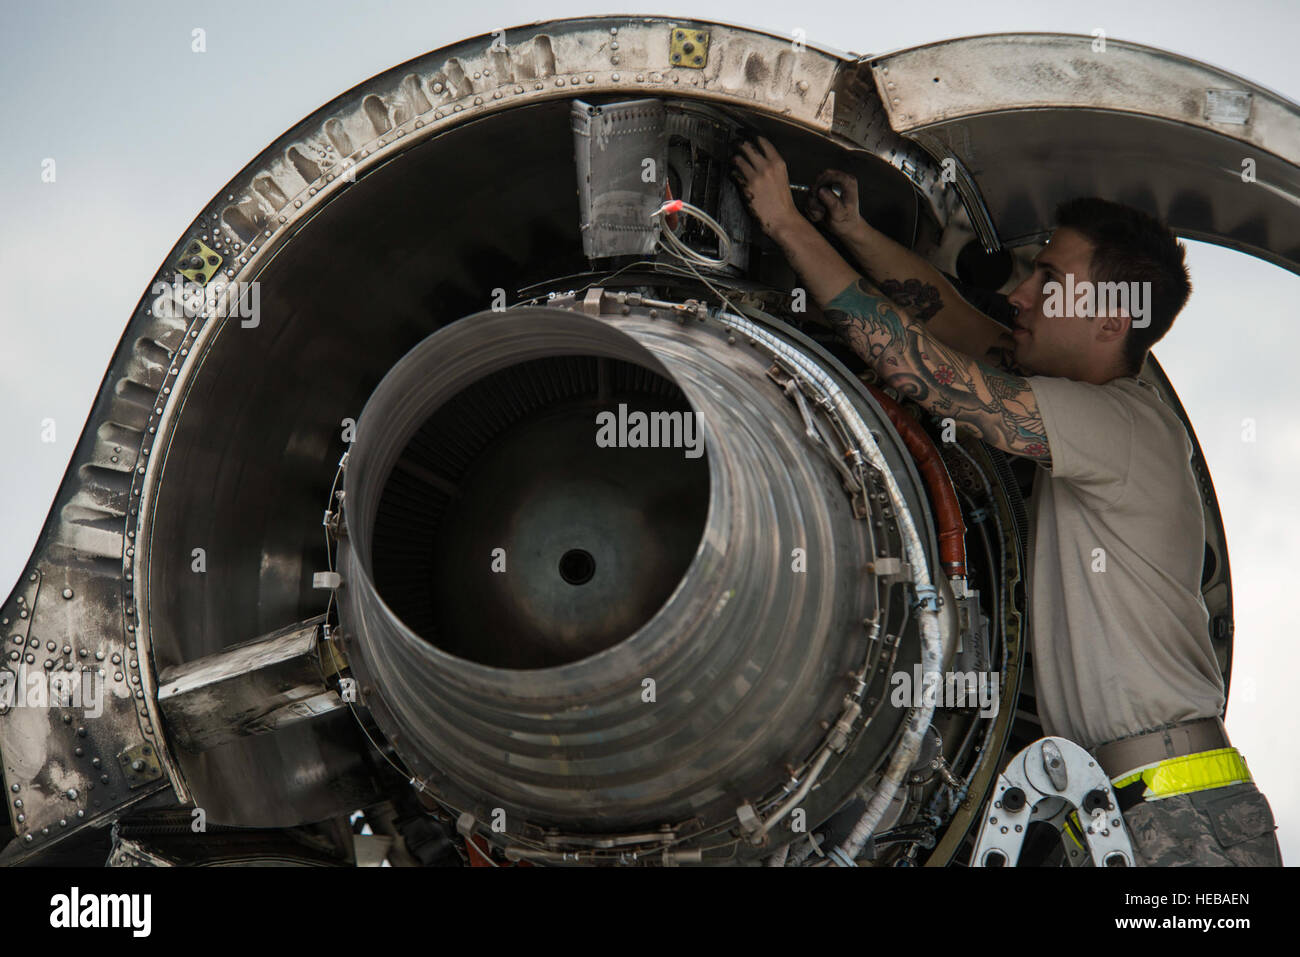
[1055, 345]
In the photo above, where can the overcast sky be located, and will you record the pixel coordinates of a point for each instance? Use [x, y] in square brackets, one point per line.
[144, 132]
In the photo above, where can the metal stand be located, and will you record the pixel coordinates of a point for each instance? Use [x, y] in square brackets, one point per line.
[1044, 782]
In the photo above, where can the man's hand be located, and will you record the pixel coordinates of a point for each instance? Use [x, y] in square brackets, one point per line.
[766, 186]
[839, 212]
[1001, 407]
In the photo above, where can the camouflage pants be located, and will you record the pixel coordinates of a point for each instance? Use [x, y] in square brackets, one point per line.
[1222, 827]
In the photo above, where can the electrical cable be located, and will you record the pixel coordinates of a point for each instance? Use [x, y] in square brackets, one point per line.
[673, 244]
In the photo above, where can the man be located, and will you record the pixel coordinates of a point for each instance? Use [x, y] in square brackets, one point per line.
[1122, 658]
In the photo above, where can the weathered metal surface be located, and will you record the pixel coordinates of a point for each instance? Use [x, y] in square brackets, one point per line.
[1032, 119]
[749, 662]
[261, 686]
[350, 147]
[61, 767]
[613, 145]
[218, 432]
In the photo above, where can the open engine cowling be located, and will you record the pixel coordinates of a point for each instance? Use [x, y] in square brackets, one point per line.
[432, 317]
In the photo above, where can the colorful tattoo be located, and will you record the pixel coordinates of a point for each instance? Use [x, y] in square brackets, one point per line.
[921, 300]
[998, 405]
[1004, 358]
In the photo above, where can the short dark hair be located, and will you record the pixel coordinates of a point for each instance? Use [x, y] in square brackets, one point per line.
[1132, 246]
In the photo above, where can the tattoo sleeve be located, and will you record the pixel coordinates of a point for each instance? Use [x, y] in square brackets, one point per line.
[921, 300]
[999, 406]
[1003, 357]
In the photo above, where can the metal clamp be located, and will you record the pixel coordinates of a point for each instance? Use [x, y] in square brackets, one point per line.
[1041, 782]
[926, 597]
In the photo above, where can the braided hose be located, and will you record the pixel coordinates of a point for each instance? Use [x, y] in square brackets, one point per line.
[918, 719]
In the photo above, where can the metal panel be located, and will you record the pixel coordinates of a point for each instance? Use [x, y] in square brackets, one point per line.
[1037, 118]
[187, 393]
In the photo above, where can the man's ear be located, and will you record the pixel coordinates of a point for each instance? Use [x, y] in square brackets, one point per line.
[1113, 326]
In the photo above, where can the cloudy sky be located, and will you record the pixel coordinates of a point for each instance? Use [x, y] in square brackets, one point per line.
[144, 132]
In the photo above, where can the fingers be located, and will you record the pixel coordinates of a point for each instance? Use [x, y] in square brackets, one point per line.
[742, 171]
[761, 153]
[836, 203]
[828, 196]
[761, 173]
[845, 186]
[746, 170]
[838, 177]
[752, 153]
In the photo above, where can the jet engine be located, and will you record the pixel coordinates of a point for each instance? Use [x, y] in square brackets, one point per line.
[476, 485]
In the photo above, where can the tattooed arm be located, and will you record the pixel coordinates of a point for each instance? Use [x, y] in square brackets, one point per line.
[907, 279]
[998, 405]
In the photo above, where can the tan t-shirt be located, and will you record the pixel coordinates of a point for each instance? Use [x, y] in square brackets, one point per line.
[1127, 649]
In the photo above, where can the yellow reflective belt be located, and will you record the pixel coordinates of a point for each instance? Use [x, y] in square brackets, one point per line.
[1193, 772]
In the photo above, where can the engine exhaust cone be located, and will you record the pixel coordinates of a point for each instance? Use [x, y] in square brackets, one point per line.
[632, 644]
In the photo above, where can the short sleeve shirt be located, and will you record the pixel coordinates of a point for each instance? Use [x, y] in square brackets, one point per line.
[1119, 630]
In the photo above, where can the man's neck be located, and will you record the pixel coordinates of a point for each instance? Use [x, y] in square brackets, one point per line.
[1100, 374]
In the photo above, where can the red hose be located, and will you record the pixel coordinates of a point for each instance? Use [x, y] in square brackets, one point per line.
[943, 496]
